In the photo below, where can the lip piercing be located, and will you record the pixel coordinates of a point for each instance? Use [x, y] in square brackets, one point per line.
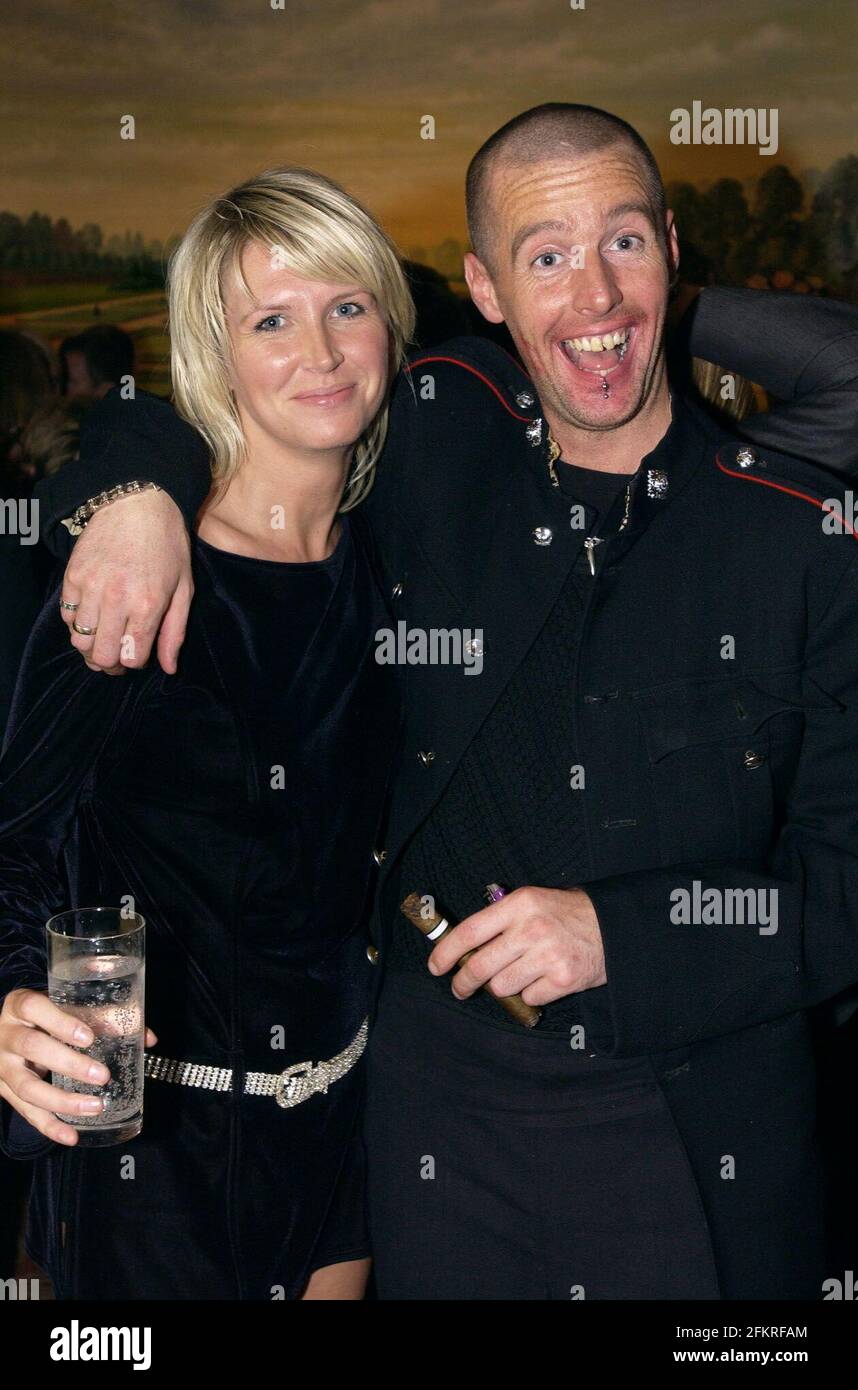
[606, 390]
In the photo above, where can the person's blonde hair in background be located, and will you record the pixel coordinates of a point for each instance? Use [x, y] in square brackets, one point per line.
[317, 231]
[708, 379]
[51, 439]
[25, 383]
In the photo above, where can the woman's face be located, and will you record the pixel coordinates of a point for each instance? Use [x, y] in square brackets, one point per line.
[310, 357]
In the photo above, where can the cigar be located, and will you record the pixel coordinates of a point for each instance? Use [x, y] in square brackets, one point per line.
[434, 925]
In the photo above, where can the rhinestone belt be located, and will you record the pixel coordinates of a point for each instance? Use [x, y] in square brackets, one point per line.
[290, 1087]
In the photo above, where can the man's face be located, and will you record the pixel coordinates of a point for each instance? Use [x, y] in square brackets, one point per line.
[580, 276]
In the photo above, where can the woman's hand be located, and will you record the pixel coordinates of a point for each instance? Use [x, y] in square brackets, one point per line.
[36, 1037]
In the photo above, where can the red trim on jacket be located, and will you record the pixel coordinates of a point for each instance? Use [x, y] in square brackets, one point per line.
[457, 362]
[781, 487]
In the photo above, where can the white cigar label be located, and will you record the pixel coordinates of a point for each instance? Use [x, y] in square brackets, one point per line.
[439, 930]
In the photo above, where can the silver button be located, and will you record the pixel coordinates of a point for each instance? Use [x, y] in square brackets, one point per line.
[752, 759]
[372, 953]
[524, 399]
[543, 535]
[396, 591]
[746, 458]
[474, 647]
[426, 758]
[379, 855]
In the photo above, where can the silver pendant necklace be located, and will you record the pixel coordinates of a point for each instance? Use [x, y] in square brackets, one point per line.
[590, 542]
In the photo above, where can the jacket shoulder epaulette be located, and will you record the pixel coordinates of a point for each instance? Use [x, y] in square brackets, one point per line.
[481, 370]
[770, 473]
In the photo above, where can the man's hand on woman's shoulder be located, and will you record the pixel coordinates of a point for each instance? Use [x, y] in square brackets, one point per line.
[130, 575]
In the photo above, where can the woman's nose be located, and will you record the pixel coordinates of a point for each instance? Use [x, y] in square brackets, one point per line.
[320, 351]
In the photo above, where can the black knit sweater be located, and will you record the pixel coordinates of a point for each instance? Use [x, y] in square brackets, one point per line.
[509, 814]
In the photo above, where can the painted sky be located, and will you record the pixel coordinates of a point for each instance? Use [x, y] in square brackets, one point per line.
[222, 88]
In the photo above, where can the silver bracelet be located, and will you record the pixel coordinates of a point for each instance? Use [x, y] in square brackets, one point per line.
[82, 514]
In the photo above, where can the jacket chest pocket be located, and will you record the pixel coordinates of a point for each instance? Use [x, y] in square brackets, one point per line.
[717, 750]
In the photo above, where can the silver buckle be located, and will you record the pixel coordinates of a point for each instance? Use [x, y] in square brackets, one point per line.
[292, 1087]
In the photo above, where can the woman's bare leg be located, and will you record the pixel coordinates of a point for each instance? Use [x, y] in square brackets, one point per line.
[341, 1281]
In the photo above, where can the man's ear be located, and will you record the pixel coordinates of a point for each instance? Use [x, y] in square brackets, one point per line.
[481, 288]
[672, 243]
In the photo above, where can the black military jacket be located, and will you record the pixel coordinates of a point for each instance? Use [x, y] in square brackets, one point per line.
[716, 688]
[716, 695]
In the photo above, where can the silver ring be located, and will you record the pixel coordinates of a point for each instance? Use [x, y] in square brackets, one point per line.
[84, 631]
[69, 607]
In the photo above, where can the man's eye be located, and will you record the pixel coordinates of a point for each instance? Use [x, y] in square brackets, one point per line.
[547, 261]
[267, 324]
[628, 242]
[350, 305]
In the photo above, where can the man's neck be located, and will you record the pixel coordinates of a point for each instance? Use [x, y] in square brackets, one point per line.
[617, 450]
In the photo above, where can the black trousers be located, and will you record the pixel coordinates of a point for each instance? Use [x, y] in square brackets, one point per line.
[509, 1166]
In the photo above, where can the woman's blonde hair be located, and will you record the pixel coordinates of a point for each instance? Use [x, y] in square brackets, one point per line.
[317, 231]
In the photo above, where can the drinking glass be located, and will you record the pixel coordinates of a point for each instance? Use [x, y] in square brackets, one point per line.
[96, 960]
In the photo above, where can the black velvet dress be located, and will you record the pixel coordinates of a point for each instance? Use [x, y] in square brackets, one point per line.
[237, 803]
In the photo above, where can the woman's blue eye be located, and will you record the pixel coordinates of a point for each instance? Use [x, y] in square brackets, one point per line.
[347, 310]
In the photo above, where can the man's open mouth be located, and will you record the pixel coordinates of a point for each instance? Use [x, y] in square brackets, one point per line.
[600, 353]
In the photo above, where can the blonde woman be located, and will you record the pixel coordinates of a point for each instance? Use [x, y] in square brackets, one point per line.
[235, 802]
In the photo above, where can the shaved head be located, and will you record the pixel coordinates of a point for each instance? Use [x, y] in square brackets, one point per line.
[550, 132]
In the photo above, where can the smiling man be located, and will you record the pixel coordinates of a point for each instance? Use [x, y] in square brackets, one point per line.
[574, 250]
[668, 704]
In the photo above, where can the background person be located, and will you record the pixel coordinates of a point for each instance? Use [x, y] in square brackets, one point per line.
[94, 360]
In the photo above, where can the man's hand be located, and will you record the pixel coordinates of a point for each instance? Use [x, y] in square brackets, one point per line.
[541, 943]
[130, 573]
